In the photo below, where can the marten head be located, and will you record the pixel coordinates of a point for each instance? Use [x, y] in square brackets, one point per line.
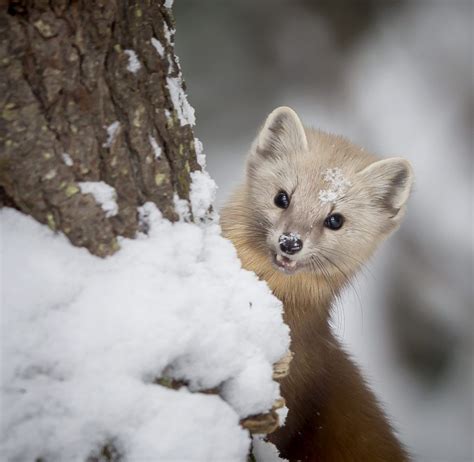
[314, 202]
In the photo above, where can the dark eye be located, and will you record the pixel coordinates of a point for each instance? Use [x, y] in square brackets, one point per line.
[282, 200]
[334, 221]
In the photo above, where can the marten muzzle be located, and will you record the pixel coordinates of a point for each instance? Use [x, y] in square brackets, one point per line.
[290, 243]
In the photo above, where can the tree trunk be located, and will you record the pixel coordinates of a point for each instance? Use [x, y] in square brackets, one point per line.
[91, 91]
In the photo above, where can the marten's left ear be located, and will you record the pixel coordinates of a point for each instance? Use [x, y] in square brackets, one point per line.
[388, 182]
[282, 134]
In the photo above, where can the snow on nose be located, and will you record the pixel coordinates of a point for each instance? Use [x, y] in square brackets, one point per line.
[290, 243]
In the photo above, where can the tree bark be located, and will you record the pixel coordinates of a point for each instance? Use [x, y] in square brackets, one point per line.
[92, 91]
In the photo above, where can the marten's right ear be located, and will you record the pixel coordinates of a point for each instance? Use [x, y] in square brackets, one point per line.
[282, 134]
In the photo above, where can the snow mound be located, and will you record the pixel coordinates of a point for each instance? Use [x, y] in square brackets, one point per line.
[84, 341]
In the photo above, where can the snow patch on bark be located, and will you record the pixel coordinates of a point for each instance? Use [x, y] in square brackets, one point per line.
[67, 159]
[171, 64]
[133, 62]
[200, 156]
[155, 146]
[104, 194]
[112, 131]
[169, 33]
[180, 101]
[158, 46]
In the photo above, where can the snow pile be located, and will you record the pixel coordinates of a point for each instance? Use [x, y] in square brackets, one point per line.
[85, 339]
[104, 194]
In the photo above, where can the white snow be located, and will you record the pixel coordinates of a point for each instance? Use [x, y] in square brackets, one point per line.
[169, 33]
[158, 46]
[265, 451]
[112, 131]
[178, 65]
[156, 147]
[171, 64]
[103, 193]
[289, 237]
[169, 3]
[282, 415]
[180, 101]
[201, 197]
[84, 338]
[67, 159]
[202, 194]
[338, 185]
[201, 157]
[181, 207]
[133, 62]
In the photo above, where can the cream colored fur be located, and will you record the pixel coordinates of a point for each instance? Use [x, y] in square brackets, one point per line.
[288, 157]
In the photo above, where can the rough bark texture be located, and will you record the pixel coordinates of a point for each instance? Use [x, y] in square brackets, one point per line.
[64, 79]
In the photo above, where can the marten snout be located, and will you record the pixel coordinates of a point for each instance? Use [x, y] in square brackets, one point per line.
[290, 243]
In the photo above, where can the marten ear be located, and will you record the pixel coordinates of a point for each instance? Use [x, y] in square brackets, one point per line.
[282, 134]
[388, 183]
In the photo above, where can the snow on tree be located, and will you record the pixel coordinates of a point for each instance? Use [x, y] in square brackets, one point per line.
[166, 348]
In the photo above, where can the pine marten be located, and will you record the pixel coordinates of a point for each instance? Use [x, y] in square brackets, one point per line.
[312, 209]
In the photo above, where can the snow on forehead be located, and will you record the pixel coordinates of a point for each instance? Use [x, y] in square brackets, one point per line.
[337, 185]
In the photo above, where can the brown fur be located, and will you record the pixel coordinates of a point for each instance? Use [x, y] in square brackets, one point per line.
[333, 416]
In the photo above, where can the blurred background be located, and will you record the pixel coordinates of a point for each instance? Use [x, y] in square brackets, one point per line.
[397, 78]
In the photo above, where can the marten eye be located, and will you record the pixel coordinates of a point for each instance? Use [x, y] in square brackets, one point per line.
[334, 221]
[282, 200]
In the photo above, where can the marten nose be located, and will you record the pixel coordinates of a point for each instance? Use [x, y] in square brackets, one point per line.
[290, 243]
